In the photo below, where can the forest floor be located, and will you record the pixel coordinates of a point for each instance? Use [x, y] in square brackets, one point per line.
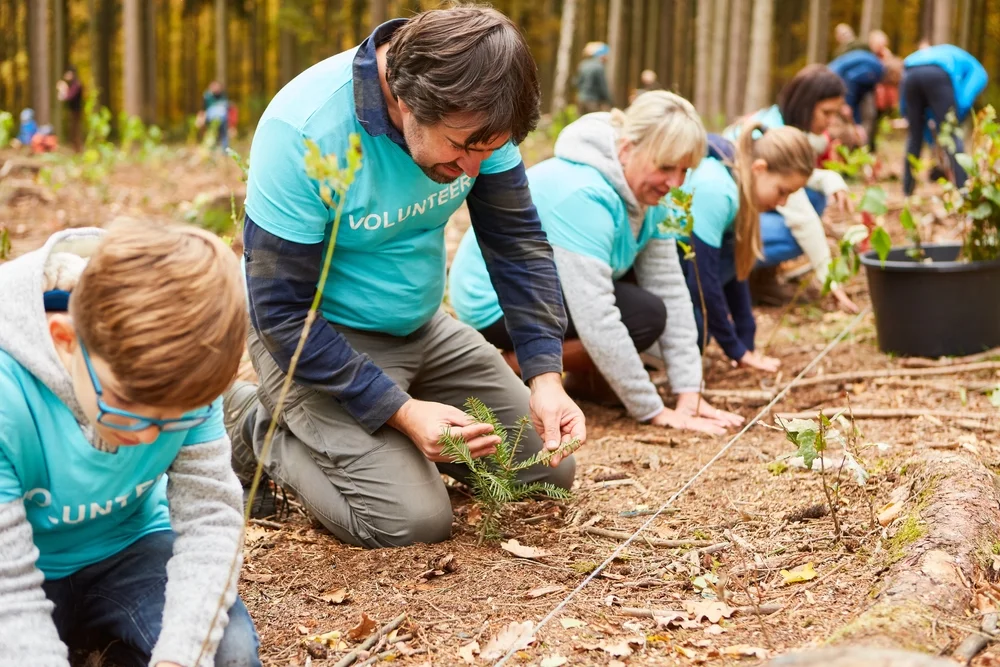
[925, 517]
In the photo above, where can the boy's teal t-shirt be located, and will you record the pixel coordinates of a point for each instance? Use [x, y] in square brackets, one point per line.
[715, 200]
[580, 212]
[83, 505]
[388, 269]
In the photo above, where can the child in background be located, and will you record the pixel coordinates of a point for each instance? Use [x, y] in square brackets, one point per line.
[730, 187]
[28, 127]
[119, 511]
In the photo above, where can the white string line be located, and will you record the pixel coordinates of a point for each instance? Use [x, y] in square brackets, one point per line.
[614, 554]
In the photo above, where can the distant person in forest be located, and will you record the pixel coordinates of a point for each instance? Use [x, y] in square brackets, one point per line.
[811, 101]
[937, 80]
[215, 109]
[70, 92]
[28, 127]
[439, 103]
[731, 187]
[847, 40]
[861, 70]
[647, 81]
[600, 200]
[591, 82]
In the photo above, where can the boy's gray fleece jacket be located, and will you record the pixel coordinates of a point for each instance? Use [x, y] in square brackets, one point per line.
[202, 489]
[589, 288]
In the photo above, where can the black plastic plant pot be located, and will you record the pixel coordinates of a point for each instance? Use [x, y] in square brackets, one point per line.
[937, 308]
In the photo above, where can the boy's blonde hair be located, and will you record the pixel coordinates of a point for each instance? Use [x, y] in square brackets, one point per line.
[786, 150]
[165, 308]
[665, 126]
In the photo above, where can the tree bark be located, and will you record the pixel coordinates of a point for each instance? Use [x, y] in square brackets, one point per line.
[151, 64]
[132, 70]
[819, 30]
[59, 59]
[380, 13]
[965, 10]
[680, 56]
[221, 43]
[567, 23]
[942, 21]
[759, 67]
[40, 65]
[636, 46]
[615, 45]
[664, 59]
[739, 29]
[718, 72]
[286, 56]
[703, 55]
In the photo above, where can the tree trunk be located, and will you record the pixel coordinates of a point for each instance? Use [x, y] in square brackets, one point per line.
[679, 56]
[41, 66]
[101, 28]
[566, 26]
[664, 57]
[150, 63]
[651, 39]
[132, 70]
[286, 57]
[615, 10]
[817, 49]
[942, 21]
[965, 12]
[59, 59]
[719, 15]
[380, 13]
[703, 55]
[636, 46]
[739, 29]
[221, 43]
[759, 67]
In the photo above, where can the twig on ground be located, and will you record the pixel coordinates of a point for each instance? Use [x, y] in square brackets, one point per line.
[391, 652]
[371, 641]
[974, 425]
[642, 612]
[267, 524]
[896, 372]
[889, 413]
[617, 482]
[920, 362]
[938, 386]
[621, 535]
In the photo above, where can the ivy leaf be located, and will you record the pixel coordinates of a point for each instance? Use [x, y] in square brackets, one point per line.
[881, 243]
[873, 201]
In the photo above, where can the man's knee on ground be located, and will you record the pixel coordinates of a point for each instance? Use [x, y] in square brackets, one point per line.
[421, 521]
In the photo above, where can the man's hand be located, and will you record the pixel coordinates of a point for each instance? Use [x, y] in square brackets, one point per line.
[759, 362]
[555, 416]
[423, 422]
[844, 302]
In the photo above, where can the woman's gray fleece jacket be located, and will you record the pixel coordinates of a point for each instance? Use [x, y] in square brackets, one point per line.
[202, 490]
[589, 288]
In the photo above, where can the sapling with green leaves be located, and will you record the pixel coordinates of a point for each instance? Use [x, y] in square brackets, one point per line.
[852, 163]
[6, 128]
[493, 478]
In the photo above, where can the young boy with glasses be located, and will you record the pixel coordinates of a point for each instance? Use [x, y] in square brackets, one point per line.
[119, 512]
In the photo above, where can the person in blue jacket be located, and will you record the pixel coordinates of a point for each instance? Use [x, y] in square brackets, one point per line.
[861, 70]
[29, 126]
[936, 80]
[729, 189]
[600, 200]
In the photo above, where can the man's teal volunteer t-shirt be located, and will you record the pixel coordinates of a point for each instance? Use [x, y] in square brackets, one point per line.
[580, 212]
[84, 505]
[388, 268]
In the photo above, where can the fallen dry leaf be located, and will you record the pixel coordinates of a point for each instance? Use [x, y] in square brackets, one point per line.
[616, 663]
[404, 649]
[713, 610]
[617, 650]
[468, 652]
[523, 551]
[543, 590]
[337, 596]
[714, 629]
[670, 618]
[474, 516]
[571, 623]
[365, 627]
[514, 636]
[612, 600]
[254, 534]
[887, 514]
[554, 661]
[686, 652]
[745, 650]
[799, 574]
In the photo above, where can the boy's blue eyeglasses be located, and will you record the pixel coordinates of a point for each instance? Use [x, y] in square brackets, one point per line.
[123, 420]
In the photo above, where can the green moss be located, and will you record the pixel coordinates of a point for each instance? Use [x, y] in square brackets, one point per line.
[584, 566]
[701, 535]
[887, 620]
[908, 532]
[777, 467]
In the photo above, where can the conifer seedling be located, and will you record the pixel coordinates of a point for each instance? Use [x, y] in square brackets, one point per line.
[493, 478]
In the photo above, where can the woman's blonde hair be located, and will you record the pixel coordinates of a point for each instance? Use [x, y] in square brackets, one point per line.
[664, 126]
[786, 150]
[164, 306]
